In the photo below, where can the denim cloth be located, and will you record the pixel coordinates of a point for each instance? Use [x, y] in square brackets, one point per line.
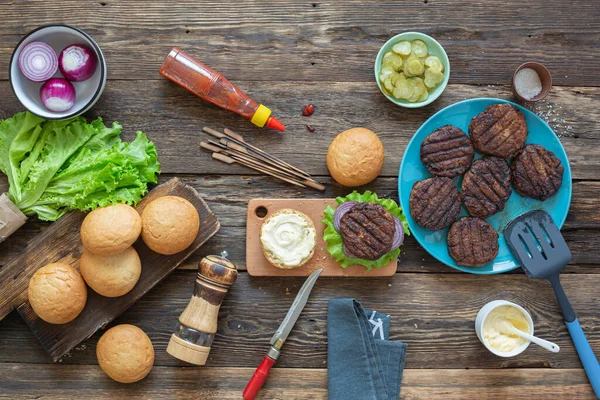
[362, 363]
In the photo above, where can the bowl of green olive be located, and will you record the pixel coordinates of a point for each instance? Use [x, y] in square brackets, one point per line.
[412, 69]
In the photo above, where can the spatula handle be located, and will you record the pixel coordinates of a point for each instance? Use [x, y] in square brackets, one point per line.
[563, 301]
[586, 355]
[584, 350]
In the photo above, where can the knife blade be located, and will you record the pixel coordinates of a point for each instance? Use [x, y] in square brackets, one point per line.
[280, 336]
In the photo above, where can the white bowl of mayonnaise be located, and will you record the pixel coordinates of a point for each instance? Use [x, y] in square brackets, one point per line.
[491, 329]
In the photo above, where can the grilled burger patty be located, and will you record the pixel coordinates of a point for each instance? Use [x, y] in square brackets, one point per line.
[435, 203]
[368, 231]
[447, 152]
[536, 172]
[486, 187]
[472, 242]
[499, 131]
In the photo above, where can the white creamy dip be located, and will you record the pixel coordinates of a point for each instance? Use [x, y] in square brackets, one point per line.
[497, 332]
[288, 238]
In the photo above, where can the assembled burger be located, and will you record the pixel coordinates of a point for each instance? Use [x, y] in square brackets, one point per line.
[364, 230]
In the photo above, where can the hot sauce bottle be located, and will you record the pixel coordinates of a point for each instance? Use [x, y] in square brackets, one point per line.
[211, 86]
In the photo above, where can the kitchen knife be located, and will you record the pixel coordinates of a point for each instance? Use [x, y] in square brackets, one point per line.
[278, 339]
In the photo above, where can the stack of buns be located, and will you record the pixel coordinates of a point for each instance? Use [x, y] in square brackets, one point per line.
[111, 266]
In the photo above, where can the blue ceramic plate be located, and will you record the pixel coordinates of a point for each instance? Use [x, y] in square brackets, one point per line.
[412, 170]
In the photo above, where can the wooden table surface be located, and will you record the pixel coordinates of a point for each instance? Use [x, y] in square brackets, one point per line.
[288, 53]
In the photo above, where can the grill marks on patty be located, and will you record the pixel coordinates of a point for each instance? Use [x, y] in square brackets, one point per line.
[368, 231]
[435, 203]
[472, 242]
[536, 172]
[447, 152]
[500, 130]
[486, 187]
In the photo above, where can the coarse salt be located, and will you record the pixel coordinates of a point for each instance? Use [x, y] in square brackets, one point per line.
[528, 83]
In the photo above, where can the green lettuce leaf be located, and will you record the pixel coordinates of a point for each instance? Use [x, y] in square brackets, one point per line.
[57, 141]
[99, 178]
[58, 166]
[335, 242]
[25, 126]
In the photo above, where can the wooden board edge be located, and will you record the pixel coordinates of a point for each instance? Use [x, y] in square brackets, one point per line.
[56, 353]
[383, 272]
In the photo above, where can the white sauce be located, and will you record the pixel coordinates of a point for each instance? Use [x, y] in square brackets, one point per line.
[497, 332]
[288, 238]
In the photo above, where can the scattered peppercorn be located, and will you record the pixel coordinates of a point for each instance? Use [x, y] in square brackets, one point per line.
[310, 128]
[308, 110]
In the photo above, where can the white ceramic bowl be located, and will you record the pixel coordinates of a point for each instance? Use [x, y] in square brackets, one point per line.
[482, 315]
[58, 37]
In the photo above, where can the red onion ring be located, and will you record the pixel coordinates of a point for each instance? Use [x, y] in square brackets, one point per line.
[340, 212]
[347, 252]
[38, 61]
[398, 234]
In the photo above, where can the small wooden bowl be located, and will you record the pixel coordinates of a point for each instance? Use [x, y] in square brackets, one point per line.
[545, 78]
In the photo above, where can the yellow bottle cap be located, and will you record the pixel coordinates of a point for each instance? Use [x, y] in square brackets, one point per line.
[261, 116]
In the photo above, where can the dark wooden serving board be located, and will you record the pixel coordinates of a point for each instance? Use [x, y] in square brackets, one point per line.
[61, 243]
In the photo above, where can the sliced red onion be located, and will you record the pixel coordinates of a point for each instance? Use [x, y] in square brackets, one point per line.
[340, 211]
[57, 94]
[398, 234]
[347, 252]
[77, 62]
[38, 61]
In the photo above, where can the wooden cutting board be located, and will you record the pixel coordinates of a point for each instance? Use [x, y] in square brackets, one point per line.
[257, 264]
[60, 242]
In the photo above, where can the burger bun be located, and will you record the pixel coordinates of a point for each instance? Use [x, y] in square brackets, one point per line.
[355, 157]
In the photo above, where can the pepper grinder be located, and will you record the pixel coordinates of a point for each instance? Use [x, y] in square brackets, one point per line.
[197, 324]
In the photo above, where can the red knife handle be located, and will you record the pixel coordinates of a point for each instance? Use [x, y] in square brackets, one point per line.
[259, 378]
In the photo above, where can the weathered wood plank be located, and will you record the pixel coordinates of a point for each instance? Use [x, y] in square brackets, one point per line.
[580, 229]
[584, 212]
[173, 118]
[413, 258]
[56, 382]
[324, 40]
[433, 313]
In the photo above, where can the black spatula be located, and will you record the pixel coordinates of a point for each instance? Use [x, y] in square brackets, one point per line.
[536, 242]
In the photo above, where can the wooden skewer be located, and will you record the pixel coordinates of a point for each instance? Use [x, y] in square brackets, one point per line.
[219, 148]
[229, 160]
[232, 145]
[242, 150]
[236, 136]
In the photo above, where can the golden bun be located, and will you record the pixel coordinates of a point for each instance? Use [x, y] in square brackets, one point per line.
[282, 256]
[355, 157]
[57, 293]
[110, 230]
[113, 275]
[125, 353]
[170, 224]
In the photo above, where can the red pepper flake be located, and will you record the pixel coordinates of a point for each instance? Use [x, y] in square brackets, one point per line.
[308, 110]
[310, 128]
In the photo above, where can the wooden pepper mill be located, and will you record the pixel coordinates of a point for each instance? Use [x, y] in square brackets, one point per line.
[198, 323]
